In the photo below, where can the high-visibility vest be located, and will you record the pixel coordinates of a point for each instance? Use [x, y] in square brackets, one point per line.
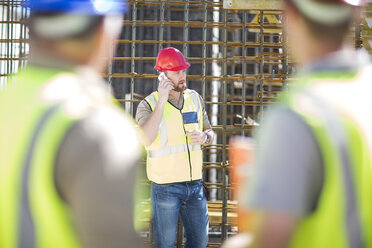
[171, 158]
[343, 216]
[32, 128]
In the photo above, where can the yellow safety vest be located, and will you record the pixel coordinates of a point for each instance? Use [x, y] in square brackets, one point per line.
[31, 212]
[171, 158]
[35, 115]
[343, 216]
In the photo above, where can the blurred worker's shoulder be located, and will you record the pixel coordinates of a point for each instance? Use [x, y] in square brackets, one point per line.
[101, 126]
[282, 123]
[105, 139]
[280, 114]
[115, 130]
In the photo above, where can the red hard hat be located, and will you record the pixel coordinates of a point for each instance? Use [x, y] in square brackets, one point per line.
[171, 59]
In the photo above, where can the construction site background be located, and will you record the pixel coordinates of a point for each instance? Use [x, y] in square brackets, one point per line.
[239, 65]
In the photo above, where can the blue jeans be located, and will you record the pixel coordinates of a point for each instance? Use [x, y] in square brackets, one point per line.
[188, 200]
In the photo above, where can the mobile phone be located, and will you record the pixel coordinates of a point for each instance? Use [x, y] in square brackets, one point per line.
[162, 75]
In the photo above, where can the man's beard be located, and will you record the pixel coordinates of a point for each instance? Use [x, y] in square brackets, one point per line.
[180, 89]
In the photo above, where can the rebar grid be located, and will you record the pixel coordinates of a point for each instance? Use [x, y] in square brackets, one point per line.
[246, 47]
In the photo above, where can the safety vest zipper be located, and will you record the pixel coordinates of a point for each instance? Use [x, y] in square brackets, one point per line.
[187, 145]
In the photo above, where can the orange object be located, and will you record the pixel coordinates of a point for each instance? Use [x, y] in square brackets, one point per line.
[241, 157]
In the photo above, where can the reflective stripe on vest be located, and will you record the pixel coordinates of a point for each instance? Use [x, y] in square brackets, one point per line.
[172, 150]
[27, 227]
[32, 213]
[342, 216]
[163, 131]
[337, 132]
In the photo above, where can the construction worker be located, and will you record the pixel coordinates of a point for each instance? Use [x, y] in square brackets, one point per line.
[67, 154]
[175, 122]
[313, 183]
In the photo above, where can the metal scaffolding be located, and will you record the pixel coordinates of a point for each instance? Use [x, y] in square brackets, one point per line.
[238, 65]
[238, 62]
[13, 40]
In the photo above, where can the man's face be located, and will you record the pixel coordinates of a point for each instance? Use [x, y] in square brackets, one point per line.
[178, 78]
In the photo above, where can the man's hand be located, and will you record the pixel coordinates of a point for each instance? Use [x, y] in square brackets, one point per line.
[196, 137]
[165, 86]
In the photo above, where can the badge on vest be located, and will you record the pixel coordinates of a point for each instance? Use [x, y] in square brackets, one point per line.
[190, 117]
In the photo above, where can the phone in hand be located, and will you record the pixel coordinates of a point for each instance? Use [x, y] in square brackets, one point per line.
[162, 76]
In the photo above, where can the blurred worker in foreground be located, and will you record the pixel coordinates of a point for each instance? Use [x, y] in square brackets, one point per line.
[67, 154]
[313, 183]
[176, 124]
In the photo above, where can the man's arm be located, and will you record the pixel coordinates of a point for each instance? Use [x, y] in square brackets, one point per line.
[272, 230]
[265, 230]
[210, 136]
[150, 127]
[95, 176]
[206, 124]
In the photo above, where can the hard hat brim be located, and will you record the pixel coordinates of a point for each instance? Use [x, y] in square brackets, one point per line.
[178, 68]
